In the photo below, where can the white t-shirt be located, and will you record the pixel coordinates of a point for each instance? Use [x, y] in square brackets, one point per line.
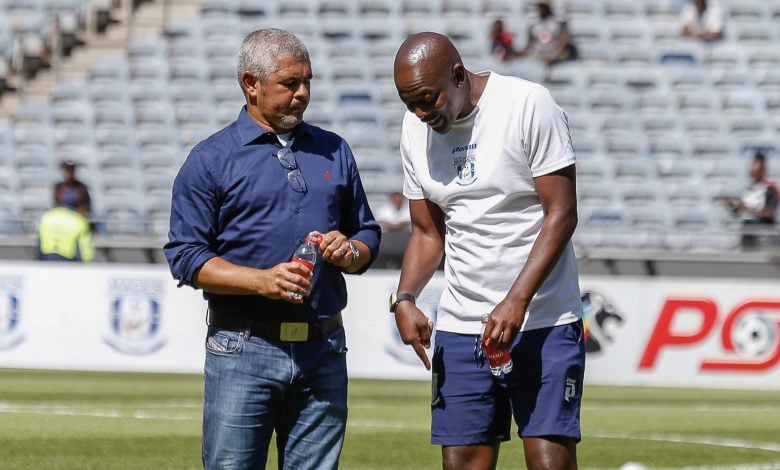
[481, 174]
[547, 34]
[711, 21]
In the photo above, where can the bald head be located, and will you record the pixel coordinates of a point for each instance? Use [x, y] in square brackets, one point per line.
[430, 50]
[432, 81]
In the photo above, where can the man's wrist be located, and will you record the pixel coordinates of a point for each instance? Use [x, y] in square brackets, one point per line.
[355, 251]
[397, 298]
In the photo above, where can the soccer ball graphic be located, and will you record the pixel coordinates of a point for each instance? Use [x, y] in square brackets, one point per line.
[754, 335]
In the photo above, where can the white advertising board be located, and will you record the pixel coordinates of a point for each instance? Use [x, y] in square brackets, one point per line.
[640, 331]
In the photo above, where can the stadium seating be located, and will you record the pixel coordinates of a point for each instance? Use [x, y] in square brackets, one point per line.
[660, 124]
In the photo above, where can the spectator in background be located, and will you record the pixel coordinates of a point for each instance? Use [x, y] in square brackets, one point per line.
[65, 234]
[71, 192]
[243, 200]
[501, 41]
[758, 204]
[548, 37]
[394, 214]
[702, 19]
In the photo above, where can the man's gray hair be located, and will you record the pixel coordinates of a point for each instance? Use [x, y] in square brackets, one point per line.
[260, 50]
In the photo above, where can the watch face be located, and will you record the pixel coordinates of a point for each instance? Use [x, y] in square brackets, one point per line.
[392, 302]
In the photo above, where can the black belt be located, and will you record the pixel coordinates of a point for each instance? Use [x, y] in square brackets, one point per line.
[289, 331]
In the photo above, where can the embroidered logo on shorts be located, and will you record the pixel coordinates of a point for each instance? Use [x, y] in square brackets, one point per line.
[466, 169]
[571, 389]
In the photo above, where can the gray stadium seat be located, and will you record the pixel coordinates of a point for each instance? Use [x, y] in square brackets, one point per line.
[702, 101]
[110, 70]
[620, 124]
[714, 148]
[72, 114]
[705, 125]
[379, 8]
[635, 169]
[595, 170]
[746, 102]
[753, 33]
[592, 194]
[611, 100]
[583, 10]
[661, 124]
[725, 55]
[763, 59]
[642, 193]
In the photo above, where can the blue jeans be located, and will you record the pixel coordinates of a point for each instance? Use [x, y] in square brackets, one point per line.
[255, 386]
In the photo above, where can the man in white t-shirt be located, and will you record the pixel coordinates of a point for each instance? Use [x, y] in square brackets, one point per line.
[489, 174]
[702, 19]
[394, 214]
[548, 37]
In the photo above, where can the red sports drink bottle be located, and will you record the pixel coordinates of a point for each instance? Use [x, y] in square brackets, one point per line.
[307, 254]
[499, 361]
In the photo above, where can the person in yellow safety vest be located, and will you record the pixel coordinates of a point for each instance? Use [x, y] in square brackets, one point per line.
[65, 234]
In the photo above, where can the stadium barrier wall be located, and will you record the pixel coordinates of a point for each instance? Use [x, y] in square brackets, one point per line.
[720, 333]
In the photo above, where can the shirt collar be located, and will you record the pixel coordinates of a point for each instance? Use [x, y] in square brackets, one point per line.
[249, 131]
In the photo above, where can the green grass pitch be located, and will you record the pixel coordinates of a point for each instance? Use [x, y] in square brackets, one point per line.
[79, 420]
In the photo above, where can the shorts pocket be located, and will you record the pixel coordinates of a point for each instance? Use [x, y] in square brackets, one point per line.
[435, 390]
[224, 342]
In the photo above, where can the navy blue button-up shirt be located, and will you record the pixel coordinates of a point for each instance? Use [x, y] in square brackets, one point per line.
[232, 199]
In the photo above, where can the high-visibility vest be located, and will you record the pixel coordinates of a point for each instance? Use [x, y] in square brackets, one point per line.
[65, 233]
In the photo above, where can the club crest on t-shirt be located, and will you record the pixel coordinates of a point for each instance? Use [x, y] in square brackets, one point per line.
[466, 169]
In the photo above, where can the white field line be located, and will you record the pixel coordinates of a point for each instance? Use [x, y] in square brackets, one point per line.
[102, 412]
[641, 407]
[699, 440]
[673, 408]
[736, 466]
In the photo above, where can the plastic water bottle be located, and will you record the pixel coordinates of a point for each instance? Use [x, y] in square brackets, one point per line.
[307, 254]
[499, 361]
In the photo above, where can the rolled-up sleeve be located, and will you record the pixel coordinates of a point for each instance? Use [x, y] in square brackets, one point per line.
[194, 209]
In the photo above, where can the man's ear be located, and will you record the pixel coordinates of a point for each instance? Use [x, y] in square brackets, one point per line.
[459, 74]
[250, 83]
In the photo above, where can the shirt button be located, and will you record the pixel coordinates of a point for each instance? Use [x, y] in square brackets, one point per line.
[297, 210]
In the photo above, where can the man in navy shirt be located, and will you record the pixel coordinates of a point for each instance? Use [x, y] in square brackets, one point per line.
[244, 199]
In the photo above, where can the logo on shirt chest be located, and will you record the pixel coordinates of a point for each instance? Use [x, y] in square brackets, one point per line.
[465, 169]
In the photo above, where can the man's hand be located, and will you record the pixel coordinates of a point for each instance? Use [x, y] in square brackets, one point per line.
[289, 281]
[335, 249]
[503, 324]
[415, 329]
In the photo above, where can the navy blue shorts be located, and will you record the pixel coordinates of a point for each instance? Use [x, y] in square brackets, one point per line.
[543, 392]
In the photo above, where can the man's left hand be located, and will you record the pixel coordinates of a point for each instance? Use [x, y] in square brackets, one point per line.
[504, 323]
[335, 249]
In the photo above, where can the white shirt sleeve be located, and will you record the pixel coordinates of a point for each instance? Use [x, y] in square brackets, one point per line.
[547, 140]
[713, 19]
[688, 17]
[412, 188]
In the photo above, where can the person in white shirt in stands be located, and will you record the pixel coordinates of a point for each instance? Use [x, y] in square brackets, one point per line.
[549, 39]
[394, 214]
[490, 177]
[702, 19]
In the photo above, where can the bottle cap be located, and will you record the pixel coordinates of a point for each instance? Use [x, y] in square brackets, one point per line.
[314, 237]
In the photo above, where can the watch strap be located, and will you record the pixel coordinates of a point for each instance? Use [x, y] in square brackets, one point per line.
[400, 297]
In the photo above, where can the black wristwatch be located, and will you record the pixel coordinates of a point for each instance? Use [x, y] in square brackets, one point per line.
[396, 298]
